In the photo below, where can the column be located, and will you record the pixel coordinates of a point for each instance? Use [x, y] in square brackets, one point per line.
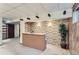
[0, 31]
[22, 29]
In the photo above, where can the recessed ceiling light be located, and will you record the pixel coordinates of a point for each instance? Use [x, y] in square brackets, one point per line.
[21, 19]
[37, 17]
[64, 12]
[28, 18]
[49, 15]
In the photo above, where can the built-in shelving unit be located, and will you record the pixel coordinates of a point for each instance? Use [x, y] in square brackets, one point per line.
[4, 31]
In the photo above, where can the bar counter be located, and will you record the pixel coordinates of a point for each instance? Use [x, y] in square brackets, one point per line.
[34, 40]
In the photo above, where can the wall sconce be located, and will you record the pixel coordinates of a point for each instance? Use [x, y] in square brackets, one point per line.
[49, 24]
[39, 24]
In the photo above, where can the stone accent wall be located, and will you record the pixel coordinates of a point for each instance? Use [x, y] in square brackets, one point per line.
[51, 28]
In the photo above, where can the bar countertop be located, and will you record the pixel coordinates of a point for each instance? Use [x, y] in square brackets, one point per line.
[34, 33]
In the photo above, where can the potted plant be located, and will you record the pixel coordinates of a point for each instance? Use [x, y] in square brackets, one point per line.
[63, 32]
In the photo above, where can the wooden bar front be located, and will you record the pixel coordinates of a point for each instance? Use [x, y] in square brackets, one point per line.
[36, 41]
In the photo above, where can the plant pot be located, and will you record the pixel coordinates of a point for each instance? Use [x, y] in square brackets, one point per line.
[63, 44]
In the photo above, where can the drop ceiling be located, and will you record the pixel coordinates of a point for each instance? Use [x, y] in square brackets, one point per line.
[18, 10]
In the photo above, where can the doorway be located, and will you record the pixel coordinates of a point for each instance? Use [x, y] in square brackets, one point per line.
[10, 30]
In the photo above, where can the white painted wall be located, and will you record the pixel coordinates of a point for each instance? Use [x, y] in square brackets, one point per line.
[16, 30]
[22, 29]
[0, 30]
